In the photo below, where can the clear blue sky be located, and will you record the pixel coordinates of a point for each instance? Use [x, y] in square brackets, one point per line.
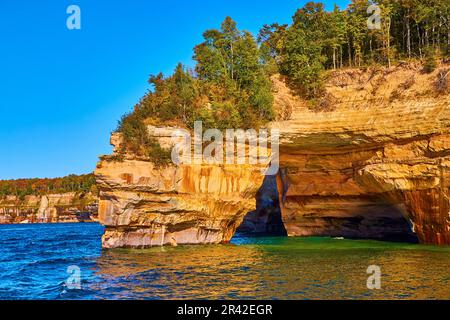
[62, 91]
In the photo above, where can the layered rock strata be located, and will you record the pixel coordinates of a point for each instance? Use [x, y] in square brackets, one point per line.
[142, 205]
[51, 208]
[357, 170]
[374, 165]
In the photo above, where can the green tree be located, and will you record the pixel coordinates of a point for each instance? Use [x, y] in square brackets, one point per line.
[272, 40]
[230, 60]
[184, 92]
[335, 34]
[303, 59]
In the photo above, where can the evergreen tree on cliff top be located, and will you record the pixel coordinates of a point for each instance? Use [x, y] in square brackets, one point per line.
[230, 84]
[229, 66]
[303, 59]
[229, 89]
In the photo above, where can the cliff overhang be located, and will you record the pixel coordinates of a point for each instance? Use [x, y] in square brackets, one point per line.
[376, 166]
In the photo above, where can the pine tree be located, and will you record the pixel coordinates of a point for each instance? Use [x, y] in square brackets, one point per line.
[303, 59]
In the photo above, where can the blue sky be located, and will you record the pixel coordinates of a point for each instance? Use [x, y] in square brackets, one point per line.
[62, 91]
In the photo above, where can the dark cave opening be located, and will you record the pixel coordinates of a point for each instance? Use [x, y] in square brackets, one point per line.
[266, 220]
[363, 217]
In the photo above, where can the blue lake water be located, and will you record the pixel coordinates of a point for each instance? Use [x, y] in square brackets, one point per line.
[34, 260]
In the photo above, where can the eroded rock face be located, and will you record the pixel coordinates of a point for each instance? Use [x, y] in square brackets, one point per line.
[143, 206]
[376, 167]
[355, 171]
[50, 208]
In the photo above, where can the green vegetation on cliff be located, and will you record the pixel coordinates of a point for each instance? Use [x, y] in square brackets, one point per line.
[38, 187]
[318, 40]
[230, 87]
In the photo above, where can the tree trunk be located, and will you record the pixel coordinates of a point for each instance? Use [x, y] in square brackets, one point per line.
[334, 58]
[349, 55]
[232, 62]
[433, 30]
[389, 41]
[408, 37]
[447, 24]
[419, 42]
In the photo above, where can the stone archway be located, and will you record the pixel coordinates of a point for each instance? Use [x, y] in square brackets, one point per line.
[353, 217]
[394, 192]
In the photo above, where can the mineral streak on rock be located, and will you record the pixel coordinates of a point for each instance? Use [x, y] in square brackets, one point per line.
[51, 208]
[356, 170]
[373, 166]
[143, 206]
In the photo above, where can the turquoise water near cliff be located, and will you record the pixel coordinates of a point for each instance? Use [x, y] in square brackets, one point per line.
[34, 261]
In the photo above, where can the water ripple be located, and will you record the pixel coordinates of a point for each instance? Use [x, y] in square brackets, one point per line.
[34, 261]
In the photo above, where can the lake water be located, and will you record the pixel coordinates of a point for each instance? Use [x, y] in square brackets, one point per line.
[34, 260]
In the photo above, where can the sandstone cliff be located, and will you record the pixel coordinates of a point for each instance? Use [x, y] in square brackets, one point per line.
[142, 205]
[51, 208]
[374, 164]
[381, 155]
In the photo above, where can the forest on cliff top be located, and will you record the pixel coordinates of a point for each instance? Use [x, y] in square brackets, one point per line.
[230, 86]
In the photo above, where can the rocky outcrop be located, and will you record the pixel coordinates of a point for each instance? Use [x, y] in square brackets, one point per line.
[373, 161]
[375, 165]
[142, 205]
[52, 208]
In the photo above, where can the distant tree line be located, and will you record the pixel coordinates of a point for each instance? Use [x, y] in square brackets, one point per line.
[230, 87]
[24, 187]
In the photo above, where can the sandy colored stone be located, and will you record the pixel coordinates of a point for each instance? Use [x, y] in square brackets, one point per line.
[375, 166]
[50, 208]
[395, 153]
[142, 205]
